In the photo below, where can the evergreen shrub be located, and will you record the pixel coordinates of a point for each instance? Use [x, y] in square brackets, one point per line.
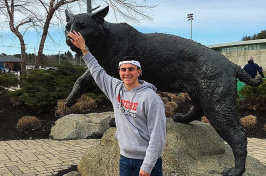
[253, 98]
[8, 79]
[40, 89]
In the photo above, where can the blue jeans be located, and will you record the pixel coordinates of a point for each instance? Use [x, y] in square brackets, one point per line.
[131, 167]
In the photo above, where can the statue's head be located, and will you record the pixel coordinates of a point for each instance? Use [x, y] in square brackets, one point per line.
[89, 25]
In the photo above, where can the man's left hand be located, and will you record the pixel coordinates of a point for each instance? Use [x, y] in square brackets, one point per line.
[142, 173]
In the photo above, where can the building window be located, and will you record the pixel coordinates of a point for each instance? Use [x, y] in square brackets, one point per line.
[242, 48]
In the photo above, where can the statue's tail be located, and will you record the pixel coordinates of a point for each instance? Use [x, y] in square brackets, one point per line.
[243, 76]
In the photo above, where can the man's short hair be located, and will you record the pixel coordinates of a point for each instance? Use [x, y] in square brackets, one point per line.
[128, 58]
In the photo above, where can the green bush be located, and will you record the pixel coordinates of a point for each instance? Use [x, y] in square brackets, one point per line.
[38, 89]
[98, 97]
[8, 79]
[253, 97]
[42, 88]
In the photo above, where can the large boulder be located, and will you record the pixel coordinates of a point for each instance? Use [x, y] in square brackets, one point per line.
[191, 149]
[81, 126]
[74, 173]
[101, 159]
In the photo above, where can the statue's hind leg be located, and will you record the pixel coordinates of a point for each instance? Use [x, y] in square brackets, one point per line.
[222, 118]
[195, 114]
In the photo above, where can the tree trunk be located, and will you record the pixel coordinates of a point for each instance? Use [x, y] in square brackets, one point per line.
[44, 35]
[50, 14]
[23, 56]
[41, 46]
[10, 10]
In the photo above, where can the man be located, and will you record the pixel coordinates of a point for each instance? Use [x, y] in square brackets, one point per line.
[252, 68]
[139, 114]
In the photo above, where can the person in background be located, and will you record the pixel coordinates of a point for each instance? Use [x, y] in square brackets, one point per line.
[252, 68]
[139, 113]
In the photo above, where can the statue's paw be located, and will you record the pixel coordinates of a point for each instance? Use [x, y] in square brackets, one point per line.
[178, 117]
[70, 102]
[112, 122]
[233, 172]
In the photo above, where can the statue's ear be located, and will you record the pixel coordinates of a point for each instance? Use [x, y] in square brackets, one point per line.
[68, 15]
[99, 16]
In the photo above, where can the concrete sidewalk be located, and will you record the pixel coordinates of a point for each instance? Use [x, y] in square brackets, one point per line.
[47, 157]
[257, 149]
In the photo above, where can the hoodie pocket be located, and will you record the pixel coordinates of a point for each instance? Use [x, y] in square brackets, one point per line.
[131, 142]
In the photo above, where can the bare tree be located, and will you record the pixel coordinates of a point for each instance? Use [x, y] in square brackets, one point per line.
[25, 14]
[132, 10]
[50, 9]
[10, 13]
[22, 15]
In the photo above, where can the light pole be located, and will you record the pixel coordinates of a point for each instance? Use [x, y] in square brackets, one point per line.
[89, 7]
[59, 58]
[190, 18]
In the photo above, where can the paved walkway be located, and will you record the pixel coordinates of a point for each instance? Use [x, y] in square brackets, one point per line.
[47, 157]
[40, 157]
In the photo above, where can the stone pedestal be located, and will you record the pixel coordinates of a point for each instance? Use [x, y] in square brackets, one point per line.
[191, 149]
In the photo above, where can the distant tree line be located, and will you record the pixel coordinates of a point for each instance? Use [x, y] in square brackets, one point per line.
[50, 60]
[261, 35]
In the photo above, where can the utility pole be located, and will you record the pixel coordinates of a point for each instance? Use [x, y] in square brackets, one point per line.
[32, 67]
[190, 18]
[89, 7]
[59, 58]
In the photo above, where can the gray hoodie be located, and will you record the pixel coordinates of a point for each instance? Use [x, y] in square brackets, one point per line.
[139, 116]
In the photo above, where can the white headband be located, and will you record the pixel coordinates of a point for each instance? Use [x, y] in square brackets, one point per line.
[130, 62]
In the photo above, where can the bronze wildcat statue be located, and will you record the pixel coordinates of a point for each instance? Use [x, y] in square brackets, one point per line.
[172, 64]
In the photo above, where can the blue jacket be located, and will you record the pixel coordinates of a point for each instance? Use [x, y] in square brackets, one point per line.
[251, 68]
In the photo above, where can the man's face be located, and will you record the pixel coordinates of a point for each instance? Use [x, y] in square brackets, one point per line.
[129, 74]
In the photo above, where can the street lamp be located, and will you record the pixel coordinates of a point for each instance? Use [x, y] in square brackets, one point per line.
[190, 18]
[89, 7]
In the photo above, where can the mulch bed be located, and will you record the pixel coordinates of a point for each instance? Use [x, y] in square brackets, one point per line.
[10, 114]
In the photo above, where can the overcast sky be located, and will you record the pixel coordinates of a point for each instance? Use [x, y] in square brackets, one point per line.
[215, 22]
